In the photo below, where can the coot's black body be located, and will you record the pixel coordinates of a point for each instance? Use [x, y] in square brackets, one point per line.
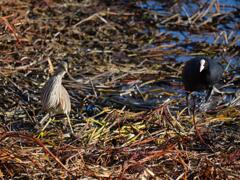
[201, 74]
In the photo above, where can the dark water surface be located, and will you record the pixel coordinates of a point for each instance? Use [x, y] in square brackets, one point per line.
[187, 9]
[219, 25]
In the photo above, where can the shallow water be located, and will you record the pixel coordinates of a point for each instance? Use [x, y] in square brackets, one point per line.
[189, 39]
[187, 9]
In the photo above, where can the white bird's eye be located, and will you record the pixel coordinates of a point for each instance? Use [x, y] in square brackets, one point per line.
[202, 64]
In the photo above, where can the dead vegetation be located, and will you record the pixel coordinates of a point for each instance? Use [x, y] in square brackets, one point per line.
[128, 108]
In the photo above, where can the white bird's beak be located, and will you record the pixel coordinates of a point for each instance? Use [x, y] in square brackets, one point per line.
[202, 64]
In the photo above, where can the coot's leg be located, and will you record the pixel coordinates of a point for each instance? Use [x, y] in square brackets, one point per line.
[194, 104]
[217, 90]
[188, 97]
[211, 91]
[209, 94]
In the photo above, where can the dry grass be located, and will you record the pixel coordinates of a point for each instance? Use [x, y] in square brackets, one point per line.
[128, 110]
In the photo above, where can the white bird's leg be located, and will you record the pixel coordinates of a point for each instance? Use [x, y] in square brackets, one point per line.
[49, 120]
[44, 118]
[69, 122]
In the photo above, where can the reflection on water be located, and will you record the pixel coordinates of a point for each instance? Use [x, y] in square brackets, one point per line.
[194, 27]
[225, 30]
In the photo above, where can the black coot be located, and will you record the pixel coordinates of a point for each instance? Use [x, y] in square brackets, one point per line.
[201, 74]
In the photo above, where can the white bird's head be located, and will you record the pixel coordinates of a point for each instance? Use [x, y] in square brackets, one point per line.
[63, 66]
